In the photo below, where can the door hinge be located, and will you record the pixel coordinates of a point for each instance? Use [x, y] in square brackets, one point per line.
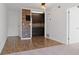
[68, 38]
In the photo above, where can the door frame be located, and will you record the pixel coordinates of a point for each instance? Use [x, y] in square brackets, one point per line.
[68, 26]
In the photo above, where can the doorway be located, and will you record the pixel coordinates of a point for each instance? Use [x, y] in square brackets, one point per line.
[37, 24]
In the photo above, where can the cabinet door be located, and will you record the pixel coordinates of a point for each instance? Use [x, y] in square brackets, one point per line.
[26, 23]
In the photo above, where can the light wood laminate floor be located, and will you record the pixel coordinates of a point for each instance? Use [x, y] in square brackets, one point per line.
[15, 44]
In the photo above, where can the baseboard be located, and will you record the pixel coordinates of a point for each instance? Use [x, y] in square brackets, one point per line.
[55, 40]
[13, 36]
[25, 38]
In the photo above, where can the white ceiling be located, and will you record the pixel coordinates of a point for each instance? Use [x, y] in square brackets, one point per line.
[38, 5]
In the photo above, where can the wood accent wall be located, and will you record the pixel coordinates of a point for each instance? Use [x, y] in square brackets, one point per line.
[24, 13]
[25, 23]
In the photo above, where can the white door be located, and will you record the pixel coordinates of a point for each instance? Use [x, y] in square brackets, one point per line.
[74, 25]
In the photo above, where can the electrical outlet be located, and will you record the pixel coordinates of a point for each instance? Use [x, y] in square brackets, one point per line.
[47, 35]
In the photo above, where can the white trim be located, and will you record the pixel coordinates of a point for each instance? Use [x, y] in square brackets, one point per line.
[20, 22]
[67, 25]
[45, 24]
[25, 38]
[31, 22]
[37, 12]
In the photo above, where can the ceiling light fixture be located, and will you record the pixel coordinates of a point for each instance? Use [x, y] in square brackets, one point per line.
[43, 6]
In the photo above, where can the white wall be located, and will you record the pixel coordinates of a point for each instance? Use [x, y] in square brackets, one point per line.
[13, 22]
[3, 25]
[56, 24]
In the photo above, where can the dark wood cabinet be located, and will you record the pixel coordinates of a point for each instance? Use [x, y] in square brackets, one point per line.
[37, 24]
